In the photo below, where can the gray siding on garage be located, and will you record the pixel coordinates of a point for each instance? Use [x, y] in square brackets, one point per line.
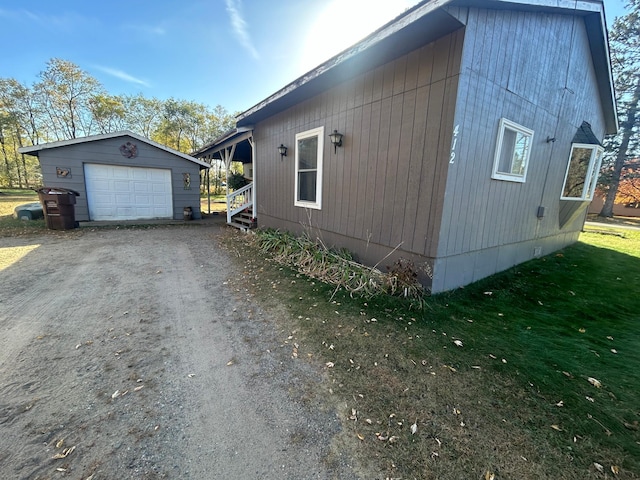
[536, 70]
[385, 187]
[107, 151]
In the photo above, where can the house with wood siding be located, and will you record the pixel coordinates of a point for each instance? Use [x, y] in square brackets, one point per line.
[471, 138]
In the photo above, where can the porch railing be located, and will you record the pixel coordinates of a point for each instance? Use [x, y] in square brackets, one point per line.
[239, 200]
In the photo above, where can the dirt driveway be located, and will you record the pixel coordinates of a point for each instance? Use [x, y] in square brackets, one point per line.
[139, 353]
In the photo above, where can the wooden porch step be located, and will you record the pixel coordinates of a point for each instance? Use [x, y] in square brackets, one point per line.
[243, 220]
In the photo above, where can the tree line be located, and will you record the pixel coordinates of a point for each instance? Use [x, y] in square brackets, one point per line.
[66, 102]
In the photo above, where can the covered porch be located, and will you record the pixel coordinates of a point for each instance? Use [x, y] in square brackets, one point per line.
[236, 145]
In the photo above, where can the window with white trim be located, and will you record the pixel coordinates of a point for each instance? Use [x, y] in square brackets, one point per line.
[582, 172]
[512, 152]
[308, 179]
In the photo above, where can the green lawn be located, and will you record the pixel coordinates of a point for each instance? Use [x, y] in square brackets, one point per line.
[9, 199]
[532, 373]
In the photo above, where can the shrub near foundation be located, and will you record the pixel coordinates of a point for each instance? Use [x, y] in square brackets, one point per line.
[337, 267]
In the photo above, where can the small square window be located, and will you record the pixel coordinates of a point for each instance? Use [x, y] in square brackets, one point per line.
[512, 152]
[582, 172]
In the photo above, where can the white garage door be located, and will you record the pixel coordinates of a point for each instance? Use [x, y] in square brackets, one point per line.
[128, 193]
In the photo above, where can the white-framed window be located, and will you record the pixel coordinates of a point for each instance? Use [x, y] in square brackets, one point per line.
[308, 179]
[512, 152]
[582, 172]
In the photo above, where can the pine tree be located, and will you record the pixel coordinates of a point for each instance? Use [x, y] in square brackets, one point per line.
[625, 62]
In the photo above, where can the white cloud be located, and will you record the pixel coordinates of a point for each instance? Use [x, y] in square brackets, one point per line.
[240, 26]
[66, 21]
[114, 72]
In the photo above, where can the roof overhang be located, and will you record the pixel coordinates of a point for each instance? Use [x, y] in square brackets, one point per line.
[424, 23]
[420, 24]
[238, 137]
[595, 21]
[36, 149]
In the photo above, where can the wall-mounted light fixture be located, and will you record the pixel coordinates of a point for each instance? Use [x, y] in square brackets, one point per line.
[282, 150]
[336, 140]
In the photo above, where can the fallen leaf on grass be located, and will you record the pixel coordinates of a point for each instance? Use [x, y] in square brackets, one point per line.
[60, 443]
[609, 337]
[137, 389]
[590, 399]
[560, 404]
[599, 467]
[567, 374]
[615, 469]
[458, 343]
[489, 476]
[613, 350]
[581, 330]
[414, 428]
[330, 364]
[115, 394]
[65, 453]
[556, 427]
[596, 383]
[631, 426]
[393, 439]
[361, 437]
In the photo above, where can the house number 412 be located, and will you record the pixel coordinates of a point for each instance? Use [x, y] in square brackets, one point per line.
[454, 142]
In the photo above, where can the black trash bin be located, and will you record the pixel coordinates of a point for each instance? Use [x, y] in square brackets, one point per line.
[58, 205]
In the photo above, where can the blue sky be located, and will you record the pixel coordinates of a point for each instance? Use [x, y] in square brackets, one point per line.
[228, 52]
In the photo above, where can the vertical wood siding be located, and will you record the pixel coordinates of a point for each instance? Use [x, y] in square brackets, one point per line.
[385, 186]
[534, 69]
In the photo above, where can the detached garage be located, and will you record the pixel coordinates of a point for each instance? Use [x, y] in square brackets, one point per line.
[122, 176]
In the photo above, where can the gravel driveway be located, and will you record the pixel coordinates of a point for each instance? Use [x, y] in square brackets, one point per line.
[139, 353]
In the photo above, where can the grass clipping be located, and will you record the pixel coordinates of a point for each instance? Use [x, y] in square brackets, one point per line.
[337, 267]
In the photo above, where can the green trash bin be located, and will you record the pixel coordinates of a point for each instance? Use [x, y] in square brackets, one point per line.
[58, 205]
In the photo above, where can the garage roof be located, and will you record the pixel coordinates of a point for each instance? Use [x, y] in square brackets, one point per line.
[36, 149]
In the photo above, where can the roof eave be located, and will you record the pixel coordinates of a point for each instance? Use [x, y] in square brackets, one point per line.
[407, 18]
[36, 149]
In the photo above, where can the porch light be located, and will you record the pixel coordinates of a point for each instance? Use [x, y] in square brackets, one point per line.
[336, 140]
[282, 150]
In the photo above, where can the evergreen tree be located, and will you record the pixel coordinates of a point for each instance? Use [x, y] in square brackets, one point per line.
[625, 62]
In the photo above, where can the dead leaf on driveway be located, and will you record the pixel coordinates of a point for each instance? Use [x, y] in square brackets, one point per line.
[65, 453]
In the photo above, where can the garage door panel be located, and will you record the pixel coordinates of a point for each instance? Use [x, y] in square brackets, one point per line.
[141, 187]
[128, 193]
[158, 188]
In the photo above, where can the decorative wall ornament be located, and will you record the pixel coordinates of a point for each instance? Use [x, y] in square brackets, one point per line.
[129, 150]
[62, 172]
[186, 180]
